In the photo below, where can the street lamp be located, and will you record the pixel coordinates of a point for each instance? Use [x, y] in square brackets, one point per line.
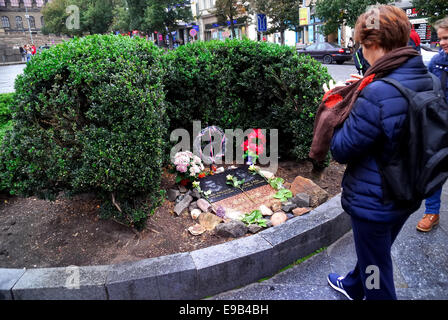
[27, 16]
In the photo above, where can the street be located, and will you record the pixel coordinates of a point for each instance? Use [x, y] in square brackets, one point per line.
[7, 76]
[9, 73]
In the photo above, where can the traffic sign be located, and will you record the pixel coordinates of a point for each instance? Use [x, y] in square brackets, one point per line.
[193, 33]
[262, 23]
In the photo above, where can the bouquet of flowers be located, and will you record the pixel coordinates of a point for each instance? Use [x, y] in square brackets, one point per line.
[253, 146]
[188, 167]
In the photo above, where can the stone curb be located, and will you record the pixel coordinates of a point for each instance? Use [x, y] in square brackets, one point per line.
[193, 275]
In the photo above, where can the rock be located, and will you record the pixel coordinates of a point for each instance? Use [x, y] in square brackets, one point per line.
[195, 194]
[183, 205]
[180, 198]
[277, 206]
[234, 229]
[290, 216]
[300, 211]
[287, 185]
[192, 206]
[265, 210]
[196, 230]
[316, 193]
[203, 204]
[220, 170]
[266, 174]
[278, 218]
[288, 206]
[172, 194]
[183, 189]
[234, 215]
[209, 220]
[232, 168]
[195, 213]
[301, 200]
[254, 228]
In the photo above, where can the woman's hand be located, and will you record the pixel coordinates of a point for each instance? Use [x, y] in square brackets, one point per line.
[332, 85]
[354, 78]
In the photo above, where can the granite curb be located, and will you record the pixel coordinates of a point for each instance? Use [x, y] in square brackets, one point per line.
[192, 275]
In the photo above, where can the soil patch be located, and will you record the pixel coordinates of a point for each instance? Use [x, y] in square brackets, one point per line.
[38, 234]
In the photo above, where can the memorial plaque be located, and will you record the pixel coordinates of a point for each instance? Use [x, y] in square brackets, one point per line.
[257, 191]
[217, 183]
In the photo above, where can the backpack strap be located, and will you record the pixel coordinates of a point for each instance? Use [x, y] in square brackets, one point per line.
[408, 93]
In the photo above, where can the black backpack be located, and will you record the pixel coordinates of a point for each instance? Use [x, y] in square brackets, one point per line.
[419, 165]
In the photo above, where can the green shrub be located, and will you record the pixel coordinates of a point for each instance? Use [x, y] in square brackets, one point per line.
[246, 84]
[90, 117]
[6, 101]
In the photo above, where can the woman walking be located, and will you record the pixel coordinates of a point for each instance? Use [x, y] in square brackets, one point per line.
[363, 123]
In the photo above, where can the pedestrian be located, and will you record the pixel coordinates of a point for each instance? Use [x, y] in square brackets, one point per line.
[361, 123]
[414, 40]
[361, 64]
[28, 52]
[350, 45]
[33, 49]
[22, 53]
[438, 66]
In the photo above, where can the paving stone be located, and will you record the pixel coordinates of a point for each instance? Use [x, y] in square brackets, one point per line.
[262, 291]
[313, 271]
[232, 264]
[8, 278]
[168, 277]
[56, 284]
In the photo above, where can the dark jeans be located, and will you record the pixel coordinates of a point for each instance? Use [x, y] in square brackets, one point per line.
[373, 242]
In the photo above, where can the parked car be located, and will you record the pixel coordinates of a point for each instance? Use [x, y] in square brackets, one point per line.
[42, 48]
[427, 54]
[328, 52]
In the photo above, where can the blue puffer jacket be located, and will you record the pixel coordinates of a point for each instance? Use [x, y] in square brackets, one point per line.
[439, 63]
[371, 130]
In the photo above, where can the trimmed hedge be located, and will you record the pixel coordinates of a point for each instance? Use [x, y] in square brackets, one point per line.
[6, 101]
[90, 116]
[246, 84]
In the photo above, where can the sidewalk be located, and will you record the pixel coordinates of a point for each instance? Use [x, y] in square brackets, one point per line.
[420, 267]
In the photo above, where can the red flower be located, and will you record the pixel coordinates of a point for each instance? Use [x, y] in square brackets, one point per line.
[184, 182]
[257, 134]
[201, 175]
[245, 145]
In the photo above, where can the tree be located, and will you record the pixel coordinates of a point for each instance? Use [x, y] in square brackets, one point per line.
[228, 10]
[94, 16]
[342, 12]
[136, 13]
[165, 16]
[434, 9]
[283, 14]
[122, 18]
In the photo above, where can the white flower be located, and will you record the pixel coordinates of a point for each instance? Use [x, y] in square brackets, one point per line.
[229, 177]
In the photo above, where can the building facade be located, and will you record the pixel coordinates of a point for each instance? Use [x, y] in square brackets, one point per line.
[18, 16]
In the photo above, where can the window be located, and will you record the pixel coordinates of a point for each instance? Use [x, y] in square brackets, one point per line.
[19, 23]
[32, 22]
[28, 3]
[14, 3]
[2, 3]
[39, 3]
[5, 22]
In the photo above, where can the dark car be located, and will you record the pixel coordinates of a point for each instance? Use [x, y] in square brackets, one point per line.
[328, 52]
